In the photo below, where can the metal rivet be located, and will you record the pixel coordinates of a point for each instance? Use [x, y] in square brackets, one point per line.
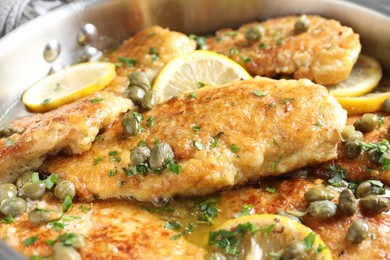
[87, 34]
[91, 54]
[52, 50]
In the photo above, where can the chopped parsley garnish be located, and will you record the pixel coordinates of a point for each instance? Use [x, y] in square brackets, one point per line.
[142, 143]
[207, 210]
[230, 240]
[67, 239]
[200, 41]
[139, 169]
[263, 45]
[270, 189]
[192, 95]
[318, 123]
[377, 187]
[215, 139]
[67, 204]
[309, 241]
[187, 230]
[96, 100]
[274, 164]
[85, 209]
[9, 142]
[150, 122]
[338, 175]
[233, 51]
[98, 160]
[198, 145]
[35, 177]
[7, 219]
[201, 84]
[156, 141]
[234, 148]
[174, 225]
[122, 183]
[113, 153]
[245, 210]
[196, 128]
[245, 59]
[175, 168]
[276, 255]
[128, 61]
[153, 50]
[259, 93]
[29, 241]
[50, 242]
[280, 42]
[380, 121]
[45, 101]
[98, 137]
[111, 173]
[115, 159]
[50, 181]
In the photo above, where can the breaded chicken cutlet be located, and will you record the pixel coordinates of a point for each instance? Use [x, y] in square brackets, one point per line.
[266, 120]
[325, 53]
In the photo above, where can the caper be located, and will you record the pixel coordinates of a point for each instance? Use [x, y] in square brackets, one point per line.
[347, 202]
[369, 188]
[6, 132]
[7, 190]
[347, 132]
[285, 214]
[160, 154]
[294, 250]
[375, 156]
[26, 177]
[39, 216]
[366, 123]
[139, 155]
[318, 193]
[254, 33]
[131, 123]
[352, 149]
[140, 79]
[34, 191]
[79, 241]
[322, 209]
[13, 206]
[386, 105]
[61, 252]
[375, 203]
[302, 24]
[63, 189]
[358, 231]
[136, 94]
[150, 100]
[358, 136]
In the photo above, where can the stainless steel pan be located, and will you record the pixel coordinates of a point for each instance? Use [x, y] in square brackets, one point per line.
[21, 52]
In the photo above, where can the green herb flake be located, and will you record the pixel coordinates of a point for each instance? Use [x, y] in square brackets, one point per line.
[259, 93]
[245, 59]
[98, 137]
[246, 210]
[234, 148]
[380, 121]
[115, 159]
[58, 225]
[320, 248]
[196, 128]
[200, 41]
[233, 51]
[216, 139]
[50, 181]
[338, 175]
[9, 142]
[201, 84]
[280, 42]
[275, 142]
[193, 95]
[7, 220]
[153, 50]
[85, 209]
[309, 241]
[187, 230]
[129, 62]
[156, 141]
[175, 168]
[267, 229]
[35, 177]
[113, 153]
[50, 242]
[174, 225]
[318, 123]
[96, 100]
[274, 164]
[230, 240]
[158, 209]
[67, 239]
[150, 122]
[263, 45]
[111, 173]
[142, 143]
[122, 183]
[29, 241]
[98, 160]
[198, 145]
[207, 210]
[67, 204]
[270, 189]
[45, 101]
[276, 255]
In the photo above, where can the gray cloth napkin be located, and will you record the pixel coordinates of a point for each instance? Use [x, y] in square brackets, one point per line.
[16, 12]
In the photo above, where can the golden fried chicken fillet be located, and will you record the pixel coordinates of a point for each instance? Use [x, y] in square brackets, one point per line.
[72, 127]
[248, 129]
[324, 54]
[148, 50]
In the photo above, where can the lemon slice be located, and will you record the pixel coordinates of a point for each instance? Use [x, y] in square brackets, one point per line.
[364, 77]
[267, 236]
[68, 85]
[194, 70]
[364, 104]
